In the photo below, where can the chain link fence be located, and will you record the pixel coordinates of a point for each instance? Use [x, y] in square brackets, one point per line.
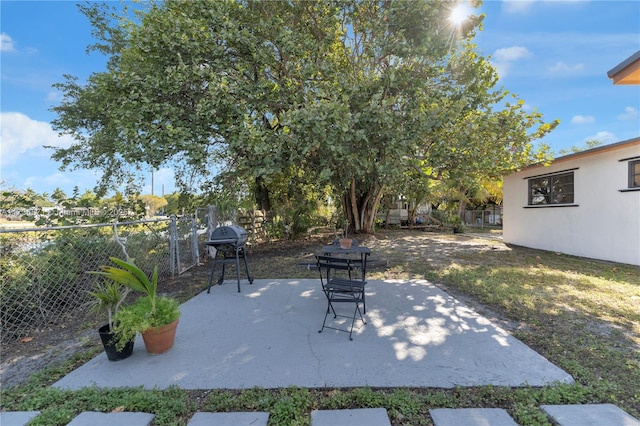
[491, 217]
[43, 271]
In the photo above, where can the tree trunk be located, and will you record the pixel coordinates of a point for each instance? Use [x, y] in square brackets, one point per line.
[262, 195]
[360, 208]
[412, 215]
[353, 203]
[462, 205]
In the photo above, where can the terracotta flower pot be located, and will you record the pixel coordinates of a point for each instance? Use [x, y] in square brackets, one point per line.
[345, 243]
[159, 340]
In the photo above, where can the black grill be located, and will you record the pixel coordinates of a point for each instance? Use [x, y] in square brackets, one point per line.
[229, 242]
[228, 237]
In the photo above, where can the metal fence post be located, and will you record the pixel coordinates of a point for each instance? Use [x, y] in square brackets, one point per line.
[194, 241]
[174, 254]
[212, 223]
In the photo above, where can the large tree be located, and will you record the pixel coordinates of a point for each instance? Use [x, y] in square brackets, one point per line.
[349, 94]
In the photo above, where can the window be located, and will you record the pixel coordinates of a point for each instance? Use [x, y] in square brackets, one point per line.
[634, 174]
[551, 189]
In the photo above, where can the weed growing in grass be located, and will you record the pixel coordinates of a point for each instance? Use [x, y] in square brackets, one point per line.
[437, 399]
[291, 407]
[54, 417]
[529, 415]
[220, 401]
[402, 404]
[288, 406]
[257, 399]
[365, 397]
[335, 399]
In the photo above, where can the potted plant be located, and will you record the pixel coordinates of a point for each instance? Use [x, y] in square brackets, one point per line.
[154, 317]
[344, 241]
[107, 299]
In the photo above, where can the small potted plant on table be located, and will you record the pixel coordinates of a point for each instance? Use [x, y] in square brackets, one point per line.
[154, 317]
[344, 241]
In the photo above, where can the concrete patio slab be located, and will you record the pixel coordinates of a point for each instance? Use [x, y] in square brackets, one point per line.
[94, 418]
[17, 418]
[589, 415]
[353, 417]
[471, 417]
[257, 418]
[267, 336]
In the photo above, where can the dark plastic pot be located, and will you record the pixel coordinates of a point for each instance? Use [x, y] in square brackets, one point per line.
[113, 354]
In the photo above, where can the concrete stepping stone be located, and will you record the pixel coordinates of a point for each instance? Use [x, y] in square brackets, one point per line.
[589, 415]
[94, 418]
[17, 418]
[257, 418]
[471, 417]
[355, 417]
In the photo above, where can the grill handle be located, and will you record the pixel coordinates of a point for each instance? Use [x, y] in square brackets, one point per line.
[221, 241]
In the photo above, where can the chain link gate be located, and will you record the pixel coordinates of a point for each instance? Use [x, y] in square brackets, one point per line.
[43, 271]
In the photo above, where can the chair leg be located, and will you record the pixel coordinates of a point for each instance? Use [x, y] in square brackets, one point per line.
[325, 316]
[356, 313]
[353, 320]
[333, 309]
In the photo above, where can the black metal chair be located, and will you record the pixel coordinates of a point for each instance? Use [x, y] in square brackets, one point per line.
[339, 285]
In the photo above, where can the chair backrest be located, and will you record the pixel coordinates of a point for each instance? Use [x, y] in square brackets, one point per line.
[327, 264]
[332, 262]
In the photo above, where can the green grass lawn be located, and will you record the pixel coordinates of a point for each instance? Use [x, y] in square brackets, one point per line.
[581, 314]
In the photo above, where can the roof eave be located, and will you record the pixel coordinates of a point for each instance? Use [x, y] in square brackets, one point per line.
[627, 71]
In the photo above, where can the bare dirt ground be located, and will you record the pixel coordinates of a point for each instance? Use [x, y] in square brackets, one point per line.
[282, 259]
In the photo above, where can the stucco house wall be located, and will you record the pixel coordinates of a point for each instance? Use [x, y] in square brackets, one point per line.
[603, 222]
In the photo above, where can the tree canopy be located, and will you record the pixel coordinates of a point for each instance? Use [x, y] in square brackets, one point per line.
[351, 95]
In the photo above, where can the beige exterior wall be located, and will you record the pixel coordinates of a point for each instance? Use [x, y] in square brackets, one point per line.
[604, 222]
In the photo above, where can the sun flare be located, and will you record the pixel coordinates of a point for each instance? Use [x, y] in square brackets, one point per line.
[459, 14]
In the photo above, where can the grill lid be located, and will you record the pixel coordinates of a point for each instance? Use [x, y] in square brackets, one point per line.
[233, 235]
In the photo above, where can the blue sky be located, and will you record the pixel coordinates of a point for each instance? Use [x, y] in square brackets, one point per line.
[553, 54]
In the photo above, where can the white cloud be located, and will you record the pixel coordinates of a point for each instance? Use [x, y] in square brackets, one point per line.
[562, 68]
[523, 6]
[502, 59]
[83, 179]
[517, 6]
[26, 164]
[56, 180]
[603, 136]
[510, 54]
[6, 43]
[54, 96]
[21, 136]
[583, 119]
[630, 114]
